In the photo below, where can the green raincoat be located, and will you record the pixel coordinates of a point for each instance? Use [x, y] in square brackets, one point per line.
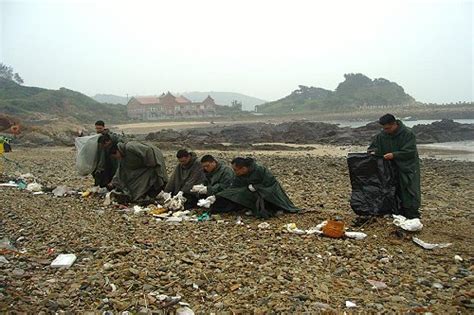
[106, 167]
[405, 156]
[266, 186]
[218, 180]
[141, 170]
[185, 177]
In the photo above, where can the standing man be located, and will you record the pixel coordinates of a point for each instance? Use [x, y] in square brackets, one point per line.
[397, 143]
[106, 167]
[187, 173]
[141, 172]
[218, 176]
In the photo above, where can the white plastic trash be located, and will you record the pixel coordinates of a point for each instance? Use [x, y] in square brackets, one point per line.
[356, 235]
[426, 245]
[411, 225]
[34, 187]
[264, 225]
[64, 261]
[350, 304]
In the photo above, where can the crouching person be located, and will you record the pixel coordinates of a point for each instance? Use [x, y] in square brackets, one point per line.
[141, 172]
[254, 188]
[187, 174]
[218, 177]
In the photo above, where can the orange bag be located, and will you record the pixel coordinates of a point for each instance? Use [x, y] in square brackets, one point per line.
[334, 229]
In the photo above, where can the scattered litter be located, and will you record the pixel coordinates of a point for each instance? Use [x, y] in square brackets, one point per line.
[197, 188]
[264, 225]
[3, 260]
[21, 184]
[204, 217]
[60, 191]
[291, 227]
[206, 203]
[184, 311]
[34, 187]
[458, 258]
[239, 221]
[38, 193]
[157, 210]
[64, 260]
[355, 235]
[429, 245]
[9, 184]
[350, 304]
[379, 285]
[107, 200]
[411, 225]
[334, 229]
[175, 203]
[174, 219]
[138, 209]
[181, 214]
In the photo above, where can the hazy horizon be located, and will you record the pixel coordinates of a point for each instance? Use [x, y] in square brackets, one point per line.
[262, 49]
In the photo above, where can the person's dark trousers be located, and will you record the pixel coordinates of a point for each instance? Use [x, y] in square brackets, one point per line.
[222, 205]
[191, 201]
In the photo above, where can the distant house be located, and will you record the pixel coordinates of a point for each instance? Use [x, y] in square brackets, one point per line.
[168, 106]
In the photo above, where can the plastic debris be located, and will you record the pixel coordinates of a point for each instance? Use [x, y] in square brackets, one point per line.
[157, 210]
[64, 261]
[34, 187]
[21, 184]
[138, 209]
[184, 311]
[9, 184]
[355, 235]
[429, 245]
[238, 221]
[411, 225]
[291, 227]
[458, 258]
[379, 285]
[3, 260]
[175, 203]
[264, 225]
[107, 200]
[204, 217]
[197, 188]
[206, 203]
[350, 304]
[60, 191]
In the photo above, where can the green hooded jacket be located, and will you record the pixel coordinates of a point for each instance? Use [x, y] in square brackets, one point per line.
[218, 180]
[266, 186]
[185, 177]
[106, 167]
[405, 156]
[142, 167]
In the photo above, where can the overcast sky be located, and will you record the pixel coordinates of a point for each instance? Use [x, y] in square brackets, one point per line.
[260, 48]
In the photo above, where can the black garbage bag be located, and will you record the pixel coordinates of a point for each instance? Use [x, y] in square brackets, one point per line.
[374, 185]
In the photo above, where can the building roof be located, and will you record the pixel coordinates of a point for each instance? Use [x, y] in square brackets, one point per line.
[182, 99]
[147, 100]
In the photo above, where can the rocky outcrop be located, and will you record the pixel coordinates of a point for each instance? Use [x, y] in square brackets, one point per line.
[306, 132]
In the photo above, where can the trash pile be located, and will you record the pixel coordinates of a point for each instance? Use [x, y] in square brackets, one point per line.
[330, 228]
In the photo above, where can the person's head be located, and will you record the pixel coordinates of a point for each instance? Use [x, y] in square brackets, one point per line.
[115, 152]
[209, 163]
[389, 123]
[184, 157]
[105, 141]
[99, 126]
[241, 165]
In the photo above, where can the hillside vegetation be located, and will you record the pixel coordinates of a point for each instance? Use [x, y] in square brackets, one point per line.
[355, 91]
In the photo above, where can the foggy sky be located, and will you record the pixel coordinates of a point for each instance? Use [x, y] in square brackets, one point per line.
[260, 48]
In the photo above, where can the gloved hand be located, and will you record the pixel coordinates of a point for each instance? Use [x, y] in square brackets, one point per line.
[203, 191]
[251, 188]
[197, 188]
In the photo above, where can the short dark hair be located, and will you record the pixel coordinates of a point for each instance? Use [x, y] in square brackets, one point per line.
[208, 158]
[387, 119]
[182, 153]
[242, 162]
[100, 123]
[104, 138]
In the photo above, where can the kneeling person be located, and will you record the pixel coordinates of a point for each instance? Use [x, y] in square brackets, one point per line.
[255, 188]
[217, 176]
[142, 170]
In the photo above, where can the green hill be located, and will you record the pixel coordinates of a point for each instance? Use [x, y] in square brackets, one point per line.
[355, 91]
[32, 103]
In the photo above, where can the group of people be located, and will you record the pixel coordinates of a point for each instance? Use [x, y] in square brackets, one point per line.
[139, 171]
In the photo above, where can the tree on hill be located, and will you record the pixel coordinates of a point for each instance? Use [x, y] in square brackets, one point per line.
[6, 72]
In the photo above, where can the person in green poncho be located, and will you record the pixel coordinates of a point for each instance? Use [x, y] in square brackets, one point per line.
[254, 188]
[105, 167]
[397, 143]
[187, 174]
[218, 176]
[141, 172]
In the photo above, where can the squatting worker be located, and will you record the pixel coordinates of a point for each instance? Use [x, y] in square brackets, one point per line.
[105, 167]
[218, 176]
[397, 143]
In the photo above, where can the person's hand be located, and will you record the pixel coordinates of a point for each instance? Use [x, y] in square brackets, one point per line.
[203, 191]
[388, 156]
[251, 188]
